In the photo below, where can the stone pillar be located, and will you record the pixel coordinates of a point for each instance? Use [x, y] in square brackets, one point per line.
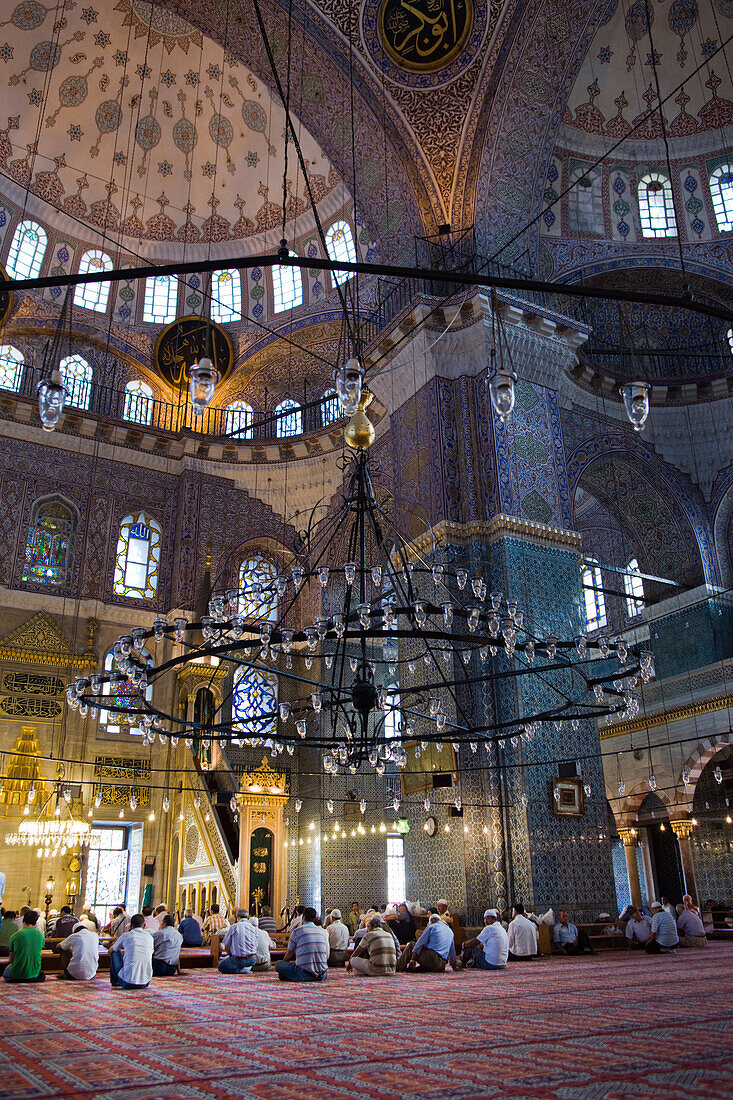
[683, 830]
[630, 841]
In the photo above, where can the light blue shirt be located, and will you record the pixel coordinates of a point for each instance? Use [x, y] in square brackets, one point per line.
[663, 923]
[565, 935]
[439, 938]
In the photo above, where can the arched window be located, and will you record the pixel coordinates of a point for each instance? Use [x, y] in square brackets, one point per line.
[138, 402]
[721, 192]
[729, 336]
[634, 589]
[27, 251]
[226, 296]
[159, 305]
[50, 542]
[138, 557]
[287, 287]
[254, 703]
[585, 202]
[238, 421]
[656, 206]
[289, 419]
[257, 593]
[595, 604]
[77, 376]
[341, 248]
[93, 295]
[126, 695]
[11, 367]
[330, 408]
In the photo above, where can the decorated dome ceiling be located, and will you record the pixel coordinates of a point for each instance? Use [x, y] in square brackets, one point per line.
[616, 84]
[125, 117]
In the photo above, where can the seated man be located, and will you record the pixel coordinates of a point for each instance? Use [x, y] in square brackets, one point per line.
[353, 917]
[306, 959]
[267, 921]
[25, 952]
[215, 923]
[8, 928]
[568, 939]
[523, 935]
[404, 926]
[131, 957]
[338, 939]
[663, 937]
[167, 943]
[119, 924]
[444, 911]
[190, 929]
[376, 955]
[65, 924]
[240, 942]
[264, 947]
[490, 949]
[79, 954]
[638, 929]
[152, 924]
[690, 928]
[433, 950]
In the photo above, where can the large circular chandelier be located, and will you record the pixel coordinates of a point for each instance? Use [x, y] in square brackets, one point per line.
[397, 649]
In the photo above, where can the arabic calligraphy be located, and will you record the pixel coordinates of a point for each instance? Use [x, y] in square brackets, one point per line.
[425, 35]
[184, 342]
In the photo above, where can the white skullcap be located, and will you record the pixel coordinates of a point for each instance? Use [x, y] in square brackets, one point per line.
[79, 927]
[655, 905]
[491, 913]
[255, 921]
[433, 918]
[442, 901]
[336, 914]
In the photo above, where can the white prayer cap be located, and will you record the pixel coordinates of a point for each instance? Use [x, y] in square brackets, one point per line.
[442, 901]
[433, 918]
[79, 927]
[255, 921]
[336, 914]
[655, 905]
[491, 913]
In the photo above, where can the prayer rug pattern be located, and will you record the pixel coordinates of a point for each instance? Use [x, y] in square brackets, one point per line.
[607, 1028]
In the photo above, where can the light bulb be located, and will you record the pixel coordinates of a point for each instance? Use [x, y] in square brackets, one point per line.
[298, 805]
[329, 806]
[718, 774]
[636, 400]
[363, 806]
[652, 783]
[52, 396]
[501, 391]
[349, 381]
[203, 377]
[166, 804]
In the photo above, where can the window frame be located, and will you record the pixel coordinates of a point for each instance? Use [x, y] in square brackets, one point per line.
[36, 509]
[32, 267]
[112, 721]
[238, 411]
[280, 275]
[720, 205]
[93, 296]
[150, 300]
[266, 608]
[265, 734]
[646, 214]
[120, 586]
[396, 876]
[592, 582]
[79, 384]
[287, 411]
[143, 401]
[9, 354]
[330, 408]
[221, 313]
[635, 600]
[345, 253]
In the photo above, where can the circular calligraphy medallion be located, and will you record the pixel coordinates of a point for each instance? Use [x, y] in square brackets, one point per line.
[184, 342]
[6, 297]
[424, 35]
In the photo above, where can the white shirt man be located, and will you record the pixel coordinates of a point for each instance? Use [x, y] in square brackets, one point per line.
[240, 940]
[338, 934]
[264, 946]
[135, 948]
[83, 946]
[523, 935]
[490, 949]
[167, 949]
[638, 929]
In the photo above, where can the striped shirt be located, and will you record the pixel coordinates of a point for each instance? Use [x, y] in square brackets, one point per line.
[379, 944]
[311, 946]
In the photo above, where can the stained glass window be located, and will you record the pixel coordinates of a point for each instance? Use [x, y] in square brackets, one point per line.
[11, 367]
[595, 604]
[721, 192]
[50, 542]
[107, 867]
[138, 402]
[257, 594]
[330, 408]
[396, 889]
[27, 251]
[289, 419]
[126, 696]
[238, 420]
[77, 376]
[254, 703]
[287, 287]
[138, 557]
[93, 295]
[226, 296]
[159, 305]
[340, 247]
[634, 589]
[656, 206]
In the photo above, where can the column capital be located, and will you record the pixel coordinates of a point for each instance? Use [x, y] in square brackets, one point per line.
[682, 828]
[629, 836]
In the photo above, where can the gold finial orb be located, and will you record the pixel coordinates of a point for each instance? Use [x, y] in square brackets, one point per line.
[359, 433]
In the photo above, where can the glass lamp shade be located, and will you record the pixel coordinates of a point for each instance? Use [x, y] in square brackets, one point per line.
[52, 395]
[501, 391]
[349, 380]
[203, 379]
[636, 400]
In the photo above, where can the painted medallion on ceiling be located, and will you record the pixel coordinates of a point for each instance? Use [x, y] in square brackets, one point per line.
[423, 43]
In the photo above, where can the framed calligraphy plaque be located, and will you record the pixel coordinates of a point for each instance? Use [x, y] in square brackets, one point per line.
[184, 341]
[424, 35]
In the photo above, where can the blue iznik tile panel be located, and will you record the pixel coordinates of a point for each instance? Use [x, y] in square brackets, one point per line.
[692, 638]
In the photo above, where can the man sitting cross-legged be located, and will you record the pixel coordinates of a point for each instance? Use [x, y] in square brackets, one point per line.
[167, 948]
[490, 949]
[80, 954]
[569, 940]
[433, 950]
[25, 952]
[638, 929]
[131, 957]
[306, 959]
[240, 941]
[376, 955]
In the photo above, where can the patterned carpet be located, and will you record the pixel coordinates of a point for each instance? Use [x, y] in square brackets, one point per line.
[615, 1027]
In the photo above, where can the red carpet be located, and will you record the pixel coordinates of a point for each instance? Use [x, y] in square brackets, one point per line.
[611, 1028]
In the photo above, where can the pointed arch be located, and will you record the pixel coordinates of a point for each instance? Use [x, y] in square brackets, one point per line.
[94, 296]
[137, 558]
[49, 545]
[27, 250]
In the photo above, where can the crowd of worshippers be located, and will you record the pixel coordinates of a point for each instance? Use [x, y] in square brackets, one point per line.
[377, 943]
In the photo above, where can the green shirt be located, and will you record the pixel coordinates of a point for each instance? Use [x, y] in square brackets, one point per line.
[8, 928]
[26, 946]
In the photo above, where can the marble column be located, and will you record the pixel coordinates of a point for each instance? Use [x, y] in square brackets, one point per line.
[630, 842]
[683, 830]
